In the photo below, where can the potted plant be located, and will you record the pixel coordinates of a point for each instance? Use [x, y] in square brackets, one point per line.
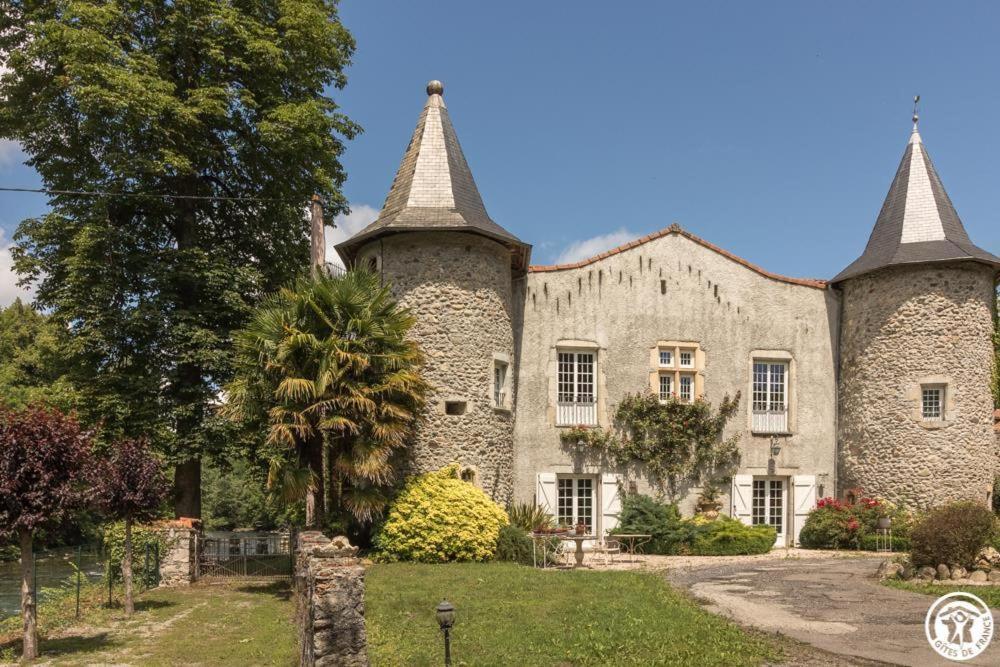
[581, 528]
[708, 500]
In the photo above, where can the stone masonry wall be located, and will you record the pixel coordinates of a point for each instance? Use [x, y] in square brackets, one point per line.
[329, 602]
[903, 327]
[458, 286]
[179, 560]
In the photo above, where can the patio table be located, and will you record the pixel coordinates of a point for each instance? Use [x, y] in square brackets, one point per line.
[579, 539]
[631, 543]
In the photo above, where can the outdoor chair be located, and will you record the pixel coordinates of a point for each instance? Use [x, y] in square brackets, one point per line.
[607, 549]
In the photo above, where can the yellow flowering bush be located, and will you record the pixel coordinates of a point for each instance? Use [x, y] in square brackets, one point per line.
[438, 517]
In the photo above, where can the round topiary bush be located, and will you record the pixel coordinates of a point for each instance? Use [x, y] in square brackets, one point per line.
[437, 517]
[952, 535]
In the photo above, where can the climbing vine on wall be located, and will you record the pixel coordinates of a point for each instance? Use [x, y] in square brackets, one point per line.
[675, 441]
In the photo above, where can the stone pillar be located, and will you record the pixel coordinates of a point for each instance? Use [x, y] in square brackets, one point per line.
[329, 601]
[179, 558]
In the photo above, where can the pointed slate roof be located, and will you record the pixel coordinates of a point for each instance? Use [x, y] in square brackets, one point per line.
[434, 189]
[918, 222]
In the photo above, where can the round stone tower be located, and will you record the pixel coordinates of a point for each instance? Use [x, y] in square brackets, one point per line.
[916, 352]
[452, 266]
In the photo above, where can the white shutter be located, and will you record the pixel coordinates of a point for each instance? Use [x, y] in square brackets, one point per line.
[545, 492]
[611, 502]
[804, 497]
[742, 497]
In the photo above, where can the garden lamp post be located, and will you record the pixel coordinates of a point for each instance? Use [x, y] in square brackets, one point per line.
[446, 619]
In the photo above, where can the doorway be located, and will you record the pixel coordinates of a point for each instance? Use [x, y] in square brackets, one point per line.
[769, 505]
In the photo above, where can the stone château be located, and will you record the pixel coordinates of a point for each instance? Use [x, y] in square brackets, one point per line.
[875, 382]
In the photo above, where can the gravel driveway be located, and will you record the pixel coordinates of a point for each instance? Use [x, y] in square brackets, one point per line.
[834, 604]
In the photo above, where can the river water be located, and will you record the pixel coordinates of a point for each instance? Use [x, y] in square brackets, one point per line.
[53, 569]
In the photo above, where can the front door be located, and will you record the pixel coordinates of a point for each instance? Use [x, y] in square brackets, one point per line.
[770, 496]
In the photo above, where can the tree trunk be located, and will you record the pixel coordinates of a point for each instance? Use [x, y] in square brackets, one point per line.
[28, 611]
[187, 489]
[315, 516]
[127, 568]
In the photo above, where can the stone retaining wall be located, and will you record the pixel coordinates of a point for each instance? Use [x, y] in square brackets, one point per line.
[329, 601]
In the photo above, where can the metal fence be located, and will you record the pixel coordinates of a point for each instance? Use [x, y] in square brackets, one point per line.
[245, 555]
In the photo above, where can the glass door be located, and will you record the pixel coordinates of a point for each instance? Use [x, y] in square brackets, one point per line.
[769, 503]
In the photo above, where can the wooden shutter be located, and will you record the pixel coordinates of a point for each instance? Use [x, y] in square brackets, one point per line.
[804, 497]
[611, 502]
[545, 492]
[742, 498]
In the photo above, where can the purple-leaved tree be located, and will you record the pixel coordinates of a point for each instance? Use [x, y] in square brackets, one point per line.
[44, 456]
[129, 485]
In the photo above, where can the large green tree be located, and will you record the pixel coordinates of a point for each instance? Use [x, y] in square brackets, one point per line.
[209, 124]
[326, 364]
[33, 352]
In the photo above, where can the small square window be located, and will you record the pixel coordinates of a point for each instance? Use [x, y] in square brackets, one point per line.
[666, 358]
[454, 408]
[687, 359]
[932, 403]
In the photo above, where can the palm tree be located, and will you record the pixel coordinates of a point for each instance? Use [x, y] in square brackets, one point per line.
[325, 363]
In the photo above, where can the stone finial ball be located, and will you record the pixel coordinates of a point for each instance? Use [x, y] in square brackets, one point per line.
[435, 87]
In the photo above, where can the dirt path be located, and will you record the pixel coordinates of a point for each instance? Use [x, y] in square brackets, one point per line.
[833, 604]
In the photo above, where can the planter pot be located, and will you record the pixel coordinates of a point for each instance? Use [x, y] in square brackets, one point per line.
[885, 522]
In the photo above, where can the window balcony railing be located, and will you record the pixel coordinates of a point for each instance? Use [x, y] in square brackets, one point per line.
[576, 414]
[770, 421]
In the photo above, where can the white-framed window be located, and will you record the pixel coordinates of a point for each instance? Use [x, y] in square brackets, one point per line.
[932, 402]
[687, 388]
[666, 387]
[687, 358]
[499, 384]
[576, 395]
[769, 400]
[666, 358]
[575, 501]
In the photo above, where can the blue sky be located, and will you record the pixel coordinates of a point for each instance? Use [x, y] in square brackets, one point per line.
[772, 129]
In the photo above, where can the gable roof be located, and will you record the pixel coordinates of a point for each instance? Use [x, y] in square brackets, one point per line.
[434, 190]
[918, 222]
[676, 229]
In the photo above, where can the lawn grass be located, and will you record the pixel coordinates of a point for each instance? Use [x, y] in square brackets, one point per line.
[510, 614]
[227, 624]
[988, 594]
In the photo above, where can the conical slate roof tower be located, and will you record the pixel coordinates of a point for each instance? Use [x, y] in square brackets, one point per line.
[454, 269]
[434, 190]
[918, 222]
[915, 406]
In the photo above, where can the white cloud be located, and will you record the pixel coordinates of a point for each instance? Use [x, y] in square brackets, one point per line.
[595, 245]
[361, 216]
[8, 279]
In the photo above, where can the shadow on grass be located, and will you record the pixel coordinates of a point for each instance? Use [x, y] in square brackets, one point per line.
[66, 645]
[279, 589]
[141, 604]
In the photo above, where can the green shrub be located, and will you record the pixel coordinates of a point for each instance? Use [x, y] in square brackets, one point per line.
[143, 537]
[870, 543]
[514, 545]
[834, 524]
[528, 517]
[644, 515]
[730, 537]
[437, 517]
[952, 534]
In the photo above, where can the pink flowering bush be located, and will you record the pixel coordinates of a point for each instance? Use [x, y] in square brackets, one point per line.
[838, 524]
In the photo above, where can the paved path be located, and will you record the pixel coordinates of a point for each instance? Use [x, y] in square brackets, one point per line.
[834, 604]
